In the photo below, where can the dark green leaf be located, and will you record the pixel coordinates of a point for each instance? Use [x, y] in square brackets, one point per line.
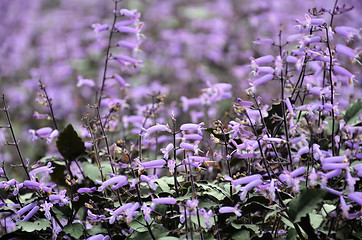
[75, 230]
[266, 236]
[241, 235]
[352, 113]
[41, 224]
[305, 202]
[254, 207]
[69, 144]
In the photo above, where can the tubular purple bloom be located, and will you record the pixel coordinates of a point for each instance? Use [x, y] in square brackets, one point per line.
[207, 217]
[119, 211]
[121, 81]
[26, 208]
[248, 187]
[340, 70]
[85, 82]
[31, 213]
[345, 51]
[289, 106]
[262, 60]
[356, 197]
[130, 13]
[358, 168]
[335, 159]
[99, 28]
[297, 172]
[47, 207]
[127, 44]
[150, 181]
[37, 115]
[153, 164]
[333, 191]
[192, 137]
[47, 169]
[332, 166]
[351, 181]
[263, 79]
[344, 207]
[246, 180]
[348, 32]
[98, 237]
[158, 127]
[333, 173]
[125, 29]
[124, 59]
[263, 41]
[164, 200]
[171, 164]
[87, 190]
[291, 59]
[235, 210]
[146, 212]
[189, 146]
[119, 179]
[314, 39]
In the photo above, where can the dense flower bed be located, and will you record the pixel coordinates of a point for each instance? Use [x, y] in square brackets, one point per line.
[209, 120]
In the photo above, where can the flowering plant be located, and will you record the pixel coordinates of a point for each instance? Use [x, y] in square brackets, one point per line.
[141, 164]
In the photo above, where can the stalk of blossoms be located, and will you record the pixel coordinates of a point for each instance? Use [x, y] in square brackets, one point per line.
[15, 142]
[50, 103]
[107, 52]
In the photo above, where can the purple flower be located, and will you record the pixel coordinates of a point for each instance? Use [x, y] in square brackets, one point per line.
[332, 166]
[99, 28]
[41, 133]
[46, 208]
[171, 164]
[118, 211]
[25, 209]
[47, 169]
[94, 218]
[31, 213]
[87, 190]
[163, 200]
[249, 186]
[348, 32]
[193, 127]
[131, 212]
[32, 184]
[99, 237]
[263, 79]
[344, 207]
[356, 197]
[60, 198]
[158, 127]
[235, 210]
[351, 181]
[146, 212]
[85, 82]
[358, 168]
[150, 181]
[119, 180]
[166, 150]
[207, 217]
[246, 180]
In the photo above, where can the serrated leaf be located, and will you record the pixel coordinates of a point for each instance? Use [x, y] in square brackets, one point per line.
[75, 230]
[351, 115]
[41, 224]
[315, 220]
[168, 238]
[163, 185]
[69, 144]
[305, 202]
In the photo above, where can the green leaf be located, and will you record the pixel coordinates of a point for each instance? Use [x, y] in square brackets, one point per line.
[305, 202]
[92, 171]
[168, 238]
[163, 185]
[69, 144]
[41, 224]
[75, 230]
[138, 227]
[241, 235]
[315, 220]
[351, 115]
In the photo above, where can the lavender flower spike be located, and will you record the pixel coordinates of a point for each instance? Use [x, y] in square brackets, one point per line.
[263, 79]
[26, 208]
[332, 166]
[153, 164]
